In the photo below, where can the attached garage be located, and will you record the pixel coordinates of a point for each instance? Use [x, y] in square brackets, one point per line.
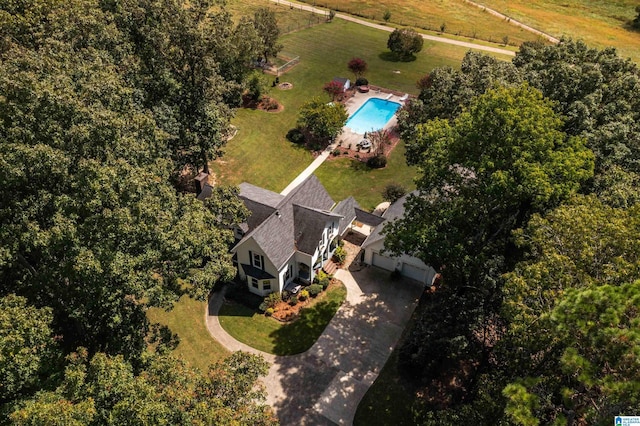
[414, 272]
[383, 262]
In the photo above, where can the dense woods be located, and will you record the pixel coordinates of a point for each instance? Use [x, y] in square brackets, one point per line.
[103, 106]
[528, 206]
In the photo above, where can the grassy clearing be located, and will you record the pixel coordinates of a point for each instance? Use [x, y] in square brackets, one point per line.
[459, 18]
[344, 177]
[186, 319]
[289, 19]
[259, 153]
[269, 335]
[599, 23]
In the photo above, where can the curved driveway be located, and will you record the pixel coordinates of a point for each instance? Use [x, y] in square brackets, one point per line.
[324, 385]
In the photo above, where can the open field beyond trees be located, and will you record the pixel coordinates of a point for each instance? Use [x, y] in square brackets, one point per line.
[458, 17]
[599, 23]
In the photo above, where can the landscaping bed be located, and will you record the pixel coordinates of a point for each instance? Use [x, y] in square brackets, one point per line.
[268, 334]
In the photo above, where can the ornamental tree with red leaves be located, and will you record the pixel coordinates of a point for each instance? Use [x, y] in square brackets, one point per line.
[333, 89]
[357, 66]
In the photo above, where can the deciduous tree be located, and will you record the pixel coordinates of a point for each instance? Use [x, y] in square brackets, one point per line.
[28, 351]
[333, 89]
[107, 390]
[266, 26]
[357, 66]
[405, 43]
[324, 121]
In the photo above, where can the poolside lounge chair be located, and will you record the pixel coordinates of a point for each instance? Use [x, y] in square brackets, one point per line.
[404, 98]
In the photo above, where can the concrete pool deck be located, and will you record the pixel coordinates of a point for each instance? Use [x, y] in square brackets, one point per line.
[347, 137]
[354, 103]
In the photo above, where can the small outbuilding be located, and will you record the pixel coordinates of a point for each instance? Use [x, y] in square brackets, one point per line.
[345, 82]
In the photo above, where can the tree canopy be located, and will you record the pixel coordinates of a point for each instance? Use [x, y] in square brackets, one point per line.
[405, 42]
[106, 390]
[266, 26]
[323, 120]
[357, 66]
[103, 104]
[528, 206]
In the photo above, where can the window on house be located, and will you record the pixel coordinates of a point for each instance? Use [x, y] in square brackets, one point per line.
[266, 285]
[254, 282]
[288, 273]
[257, 260]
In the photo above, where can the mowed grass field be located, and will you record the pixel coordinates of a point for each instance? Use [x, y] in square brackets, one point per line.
[599, 23]
[186, 319]
[260, 154]
[459, 17]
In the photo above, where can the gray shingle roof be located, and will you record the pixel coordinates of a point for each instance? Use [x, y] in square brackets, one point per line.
[368, 218]
[395, 211]
[276, 234]
[347, 209]
[260, 195]
[308, 227]
[256, 273]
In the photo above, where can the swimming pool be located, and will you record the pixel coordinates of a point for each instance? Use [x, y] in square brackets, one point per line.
[372, 115]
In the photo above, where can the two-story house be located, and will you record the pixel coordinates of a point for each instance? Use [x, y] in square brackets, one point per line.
[288, 237]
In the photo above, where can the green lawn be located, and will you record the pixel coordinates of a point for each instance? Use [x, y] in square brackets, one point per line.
[186, 319]
[261, 155]
[344, 177]
[269, 335]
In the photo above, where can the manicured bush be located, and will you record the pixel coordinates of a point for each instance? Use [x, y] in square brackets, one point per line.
[361, 81]
[295, 135]
[393, 192]
[339, 255]
[269, 312]
[304, 295]
[314, 290]
[293, 301]
[270, 301]
[377, 162]
[336, 152]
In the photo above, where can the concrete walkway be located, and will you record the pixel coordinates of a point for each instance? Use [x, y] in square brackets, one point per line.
[391, 29]
[310, 169]
[324, 385]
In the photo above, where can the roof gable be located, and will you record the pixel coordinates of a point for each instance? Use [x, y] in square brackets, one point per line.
[275, 234]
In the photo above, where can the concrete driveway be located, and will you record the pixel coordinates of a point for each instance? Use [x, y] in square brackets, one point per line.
[324, 385]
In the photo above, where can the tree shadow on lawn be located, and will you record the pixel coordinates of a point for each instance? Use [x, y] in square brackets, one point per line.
[231, 308]
[328, 381]
[393, 57]
[298, 336]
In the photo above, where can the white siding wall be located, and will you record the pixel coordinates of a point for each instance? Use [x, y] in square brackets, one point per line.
[412, 262]
[243, 257]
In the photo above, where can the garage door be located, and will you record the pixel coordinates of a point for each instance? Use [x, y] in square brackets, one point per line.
[414, 272]
[383, 262]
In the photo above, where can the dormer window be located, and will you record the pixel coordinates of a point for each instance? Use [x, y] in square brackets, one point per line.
[257, 261]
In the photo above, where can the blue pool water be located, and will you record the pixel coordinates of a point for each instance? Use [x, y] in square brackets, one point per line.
[372, 116]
